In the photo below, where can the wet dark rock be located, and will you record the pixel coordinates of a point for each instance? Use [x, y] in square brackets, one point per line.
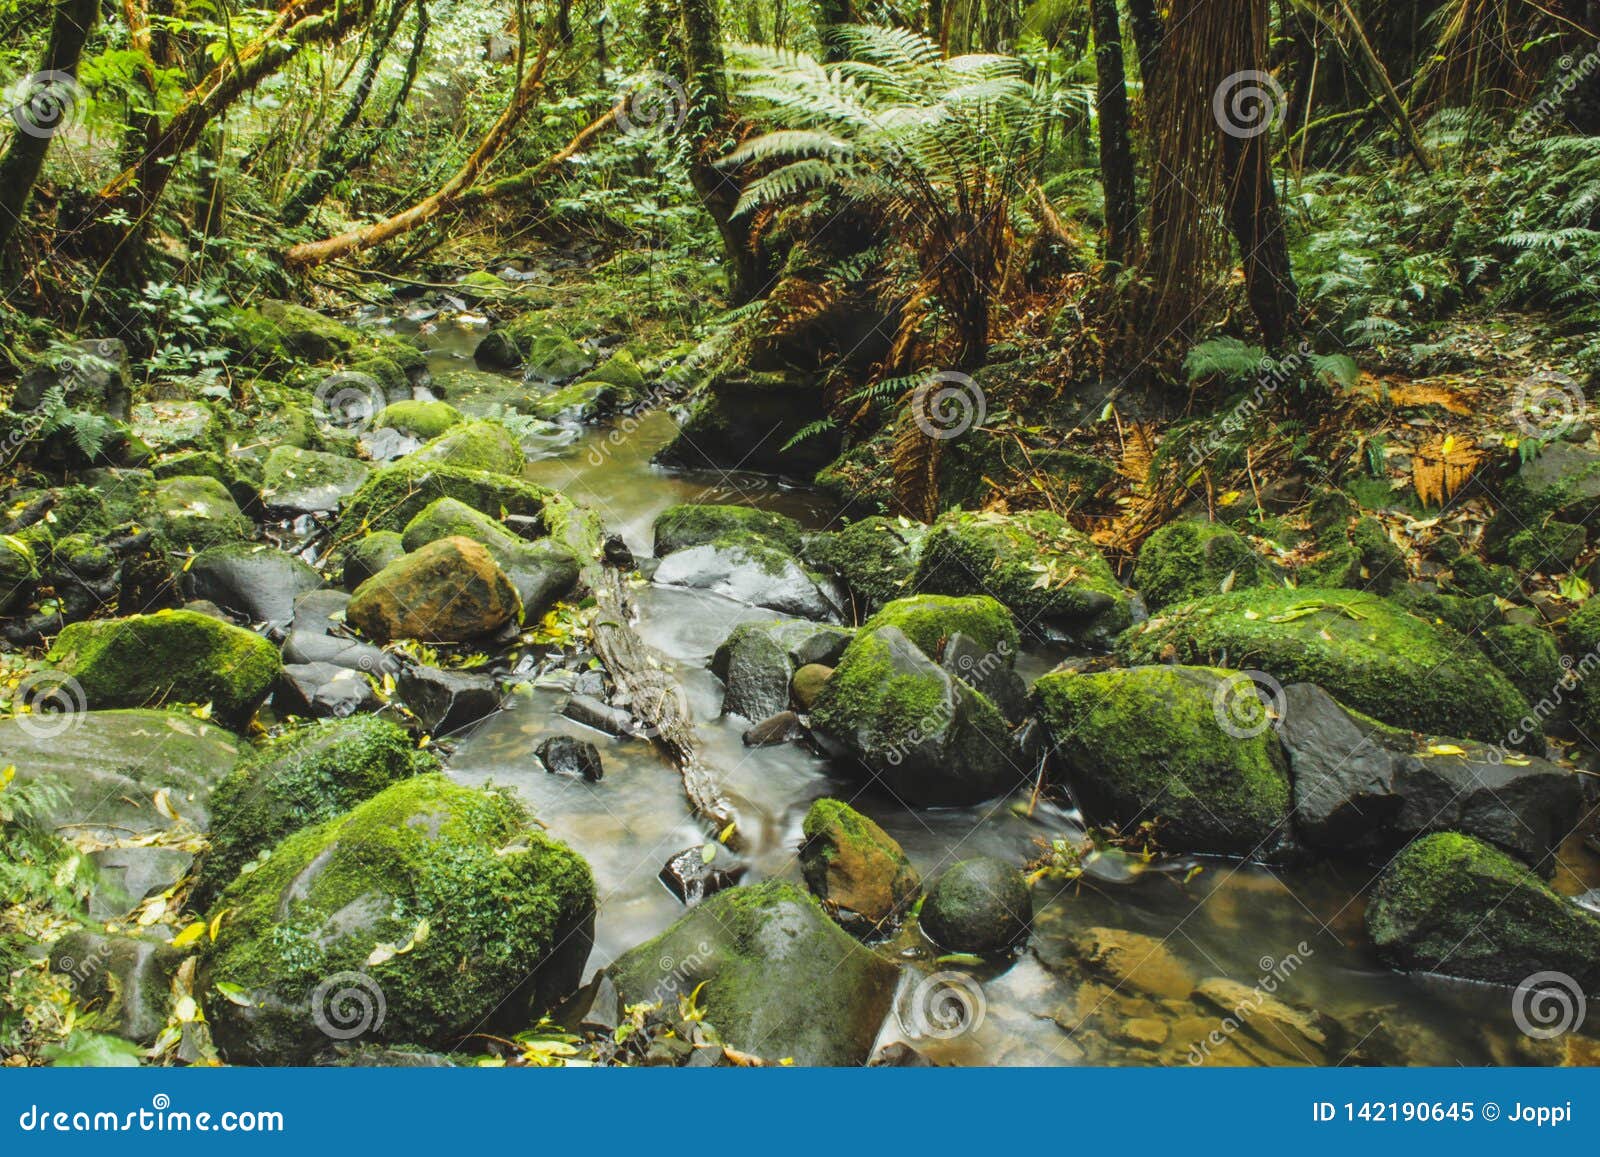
[446, 701]
[691, 877]
[323, 690]
[978, 905]
[566, 755]
[592, 712]
[124, 980]
[783, 727]
[779, 978]
[617, 554]
[756, 575]
[757, 662]
[594, 1008]
[146, 582]
[367, 556]
[254, 581]
[315, 637]
[982, 669]
[296, 481]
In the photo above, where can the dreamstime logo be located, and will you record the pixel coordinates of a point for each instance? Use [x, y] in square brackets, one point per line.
[1548, 1004]
[941, 1006]
[348, 401]
[55, 703]
[46, 103]
[947, 404]
[655, 103]
[1247, 703]
[675, 975]
[347, 1004]
[1248, 104]
[1547, 405]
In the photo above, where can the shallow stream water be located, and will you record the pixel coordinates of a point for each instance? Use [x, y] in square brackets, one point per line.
[1157, 931]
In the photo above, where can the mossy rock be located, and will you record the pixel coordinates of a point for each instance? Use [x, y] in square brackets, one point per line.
[396, 494]
[299, 481]
[857, 870]
[978, 905]
[1549, 548]
[194, 464]
[421, 419]
[1358, 556]
[684, 526]
[1528, 656]
[1453, 905]
[619, 370]
[304, 333]
[1468, 615]
[1048, 573]
[370, 554]
[168, 427]
[19, 571]
[876, 557]
[746, 419]
[542, 570]
[758, 660]
[926, 736]
[168, 657]
[775, 976]
[480, 445]
[449, 591]
[1189, 560]
[193, 512]
[1561, 482]
[391, 378]
[929, 620]
[428, 912]
[1364, 650]
[583, 401]
[1148, 743]
[304, 777]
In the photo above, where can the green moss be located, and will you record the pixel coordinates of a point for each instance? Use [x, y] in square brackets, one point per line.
[390, 377]
[481, 445]
[680, 527]
[194, 512]
[1364, 650]
[194, 464]
[1549, 548]
[1466, 615]
[1188, 560]
[584, 400]
[425, 420]
[619, 370]
[1356, 555]
[504, 911]
[396, 494]
[370, 554]
[1448, 903]
[876, 557]
[1148, 742]
[850, 861]
[175, 656]
[928, 620]
[1529, 657]
[1037, 564]
[313, 774]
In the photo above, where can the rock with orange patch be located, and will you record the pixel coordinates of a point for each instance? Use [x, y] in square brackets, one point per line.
[449, 591]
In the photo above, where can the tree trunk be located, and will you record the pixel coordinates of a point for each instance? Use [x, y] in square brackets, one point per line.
[1257, 225]
[1148, 35]
[1116, 153]
[23, 160]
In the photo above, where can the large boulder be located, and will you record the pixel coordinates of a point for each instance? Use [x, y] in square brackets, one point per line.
[109, 767]
[1047, 572]
[855, 867]
[421, 419]
[1364, 789]
[1171, 744]
[251, 579]
[680, 527]
[747, 420]
[396, 494]
[428, 912]
[296, 481]
[542, 570]
[1453, 905]
[449, 591]
[192, 512]
[92, 376]
[876, 557]
[303, 777]
[173, 427]
[125, 981]
[479, 445]
[168, 657]
[1191, 559]
[978, 905]
[318, 635]
[758, 661]
[755, 574]
[775, 976]
[1362, 649]
[911, 726]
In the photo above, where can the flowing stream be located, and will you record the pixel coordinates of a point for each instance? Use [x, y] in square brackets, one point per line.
[1291, 937]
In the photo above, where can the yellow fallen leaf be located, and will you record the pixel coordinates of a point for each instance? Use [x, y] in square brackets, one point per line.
[190, 934]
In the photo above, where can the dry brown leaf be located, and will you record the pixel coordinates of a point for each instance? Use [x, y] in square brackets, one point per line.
[1401, 395]
[1441, 469]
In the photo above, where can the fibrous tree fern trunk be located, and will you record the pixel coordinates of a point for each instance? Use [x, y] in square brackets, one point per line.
[24, 157]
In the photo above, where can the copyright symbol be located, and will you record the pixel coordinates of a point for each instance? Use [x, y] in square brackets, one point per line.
[1491, 1111]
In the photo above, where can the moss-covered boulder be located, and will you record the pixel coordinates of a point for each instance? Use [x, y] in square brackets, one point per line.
[1528, 656]
[776, 977]
[978, 905]
[428, 912]
[876, 557]
[1189, 560]
[479, 445]
[168, 427]
[1453, 905]
[450, 591]
[542, 570]
[930, 621]
[583, 401]
[303, 777]
[621, 370]
[193, 512]
[369, 554]
[757, 662]
[680, 527]
[746, 420]
[1148, 743]
[280, 329]
[927, 736]
[1048, 573]
[296, 481]
[1562, 483]
[1364, 650]
[396, 494]
[168, 657]
[419, 418]
[857, 870]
